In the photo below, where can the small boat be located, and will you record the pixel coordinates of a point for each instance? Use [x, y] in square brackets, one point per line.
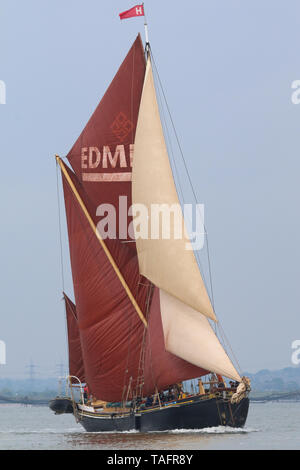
[140, 332]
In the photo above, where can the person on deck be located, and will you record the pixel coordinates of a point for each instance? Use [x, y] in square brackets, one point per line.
[170, 395]
[162, 397]
[85, 393]
[213, 382]
[149, 401]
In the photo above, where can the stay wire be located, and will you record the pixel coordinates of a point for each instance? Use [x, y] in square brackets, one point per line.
[225, 340]
[187, 173]
[174, 165]
[60, 231]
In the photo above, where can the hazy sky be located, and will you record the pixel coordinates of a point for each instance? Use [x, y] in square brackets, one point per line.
[227, 69]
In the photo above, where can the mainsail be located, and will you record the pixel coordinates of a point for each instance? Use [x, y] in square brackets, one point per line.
[102, 155]
[110, 328]
[76, 366]
[128, 295]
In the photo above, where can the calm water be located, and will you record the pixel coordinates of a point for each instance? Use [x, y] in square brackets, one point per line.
[269, 426]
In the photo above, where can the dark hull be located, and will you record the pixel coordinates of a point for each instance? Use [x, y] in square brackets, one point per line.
[192, 414]
[61, 405]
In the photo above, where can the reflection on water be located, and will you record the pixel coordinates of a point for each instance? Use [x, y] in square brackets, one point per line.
[177, 439]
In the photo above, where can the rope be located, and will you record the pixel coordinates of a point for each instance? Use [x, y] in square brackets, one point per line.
[225, 339]
[196, 200]
[171, 154]
[60, 231]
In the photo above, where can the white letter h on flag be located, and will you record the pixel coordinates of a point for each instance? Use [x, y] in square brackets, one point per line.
[139, 10]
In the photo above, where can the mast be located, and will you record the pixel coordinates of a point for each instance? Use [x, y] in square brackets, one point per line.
[147, 48]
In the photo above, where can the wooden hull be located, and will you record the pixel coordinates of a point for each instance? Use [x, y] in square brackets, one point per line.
[191, 414]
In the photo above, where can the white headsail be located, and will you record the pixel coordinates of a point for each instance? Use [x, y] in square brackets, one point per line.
[167, 263]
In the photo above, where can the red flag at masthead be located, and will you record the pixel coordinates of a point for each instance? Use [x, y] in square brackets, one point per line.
[138, 10]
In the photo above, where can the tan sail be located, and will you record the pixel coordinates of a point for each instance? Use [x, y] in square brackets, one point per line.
[189, 335]
[166, 262]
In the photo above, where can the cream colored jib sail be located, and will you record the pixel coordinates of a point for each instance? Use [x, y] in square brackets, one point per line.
[189, 335]
[166, 262]
[184, 302]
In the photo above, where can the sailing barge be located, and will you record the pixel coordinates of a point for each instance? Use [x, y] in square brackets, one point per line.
[142, 319]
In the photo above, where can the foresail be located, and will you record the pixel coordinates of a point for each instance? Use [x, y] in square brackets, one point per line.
[166, 262]
[162, 368]
[76, 366]
[189, 335]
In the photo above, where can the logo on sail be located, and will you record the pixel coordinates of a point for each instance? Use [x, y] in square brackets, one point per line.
[121, 126]
[106, 159]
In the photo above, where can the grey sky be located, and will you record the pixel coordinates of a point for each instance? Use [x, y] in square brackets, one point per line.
[227, 69]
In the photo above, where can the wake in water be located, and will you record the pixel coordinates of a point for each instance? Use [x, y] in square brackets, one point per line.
[212, 430]
[215, 430]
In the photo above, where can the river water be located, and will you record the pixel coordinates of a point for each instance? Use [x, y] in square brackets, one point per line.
[269, 426]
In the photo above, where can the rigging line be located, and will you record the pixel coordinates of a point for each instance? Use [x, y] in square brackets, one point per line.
[140, 375]
[174, 165]
[60, 232]
[129, 352]
[197, 255]
[187, 172]
[128, 355]
[132, 95]
[231, 350]
[141, 366]
[150, 359]
[62, 261]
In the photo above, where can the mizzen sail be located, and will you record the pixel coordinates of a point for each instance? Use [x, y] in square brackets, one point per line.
[76, 366]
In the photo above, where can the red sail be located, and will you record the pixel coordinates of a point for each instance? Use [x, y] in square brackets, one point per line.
[76, 367]
[110, 328]
[102, 155]
[101, 158]
[105, 172]
[161, 367]
[111, 331]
